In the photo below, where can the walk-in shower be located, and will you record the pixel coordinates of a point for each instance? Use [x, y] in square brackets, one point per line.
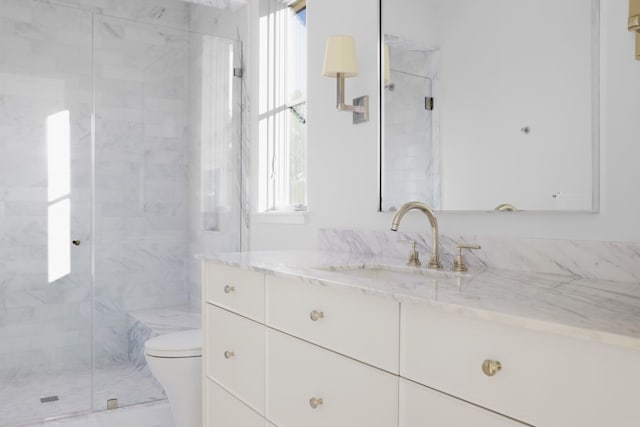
[120, 156]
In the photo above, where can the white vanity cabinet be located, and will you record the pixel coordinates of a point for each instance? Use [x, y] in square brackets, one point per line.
[235, 355]
[290, 352]
[234, 347]
[320, 357]
[313, 387]
[237, 290]
[421, 407]
[364, 327]
[545, 379]
[223, 410]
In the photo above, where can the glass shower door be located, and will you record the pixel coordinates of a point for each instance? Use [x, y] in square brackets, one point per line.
[45, 211]
[162, 96]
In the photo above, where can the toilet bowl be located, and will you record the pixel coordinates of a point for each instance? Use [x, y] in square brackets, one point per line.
[175, 360]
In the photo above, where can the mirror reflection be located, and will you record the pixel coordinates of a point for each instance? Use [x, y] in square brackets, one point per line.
[482, 113]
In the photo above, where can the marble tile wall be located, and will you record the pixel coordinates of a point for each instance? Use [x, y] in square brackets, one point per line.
[600, 260]
[45, 70]
[146, 59]
[149, 112]
[142, 131]
[216, 149]
[146, 324]
[167, 13]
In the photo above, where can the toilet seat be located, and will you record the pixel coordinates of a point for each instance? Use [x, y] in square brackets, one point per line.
[176, 344]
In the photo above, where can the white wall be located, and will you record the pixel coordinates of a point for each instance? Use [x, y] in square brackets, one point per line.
[343, 158]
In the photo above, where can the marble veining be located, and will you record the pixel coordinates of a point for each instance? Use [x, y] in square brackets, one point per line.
[216, 150]
[146, 324]
[20, 396]
[142, 89]
[169, 13]
[45, 69]
[592, 309]
[598, 260]
[142, 59]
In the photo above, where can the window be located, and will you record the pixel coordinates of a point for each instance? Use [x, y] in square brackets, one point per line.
[282, 114]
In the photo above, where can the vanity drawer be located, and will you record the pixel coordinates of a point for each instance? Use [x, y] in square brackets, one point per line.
[361, 326]
[234, 356]
[222, 409]
[421, 406]
[353, 394]
[546, 379]
[238, 290]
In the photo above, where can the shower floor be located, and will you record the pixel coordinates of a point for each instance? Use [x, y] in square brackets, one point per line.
[156, 414]
[20, 396]
[130, 382]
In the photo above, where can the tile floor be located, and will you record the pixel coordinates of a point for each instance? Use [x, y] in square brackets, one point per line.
[20, 396]
[130, 382]
[155, 414]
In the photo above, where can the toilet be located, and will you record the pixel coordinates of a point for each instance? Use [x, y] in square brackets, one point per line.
[175, 360]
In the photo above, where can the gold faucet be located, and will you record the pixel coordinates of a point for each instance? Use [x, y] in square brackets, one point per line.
[434, 262]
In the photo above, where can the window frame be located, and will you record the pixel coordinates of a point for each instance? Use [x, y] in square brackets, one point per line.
[275, 113]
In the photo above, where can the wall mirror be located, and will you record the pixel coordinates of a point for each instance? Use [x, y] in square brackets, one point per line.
[490, 105]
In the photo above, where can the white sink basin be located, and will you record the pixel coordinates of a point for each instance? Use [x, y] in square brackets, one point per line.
[389, 273]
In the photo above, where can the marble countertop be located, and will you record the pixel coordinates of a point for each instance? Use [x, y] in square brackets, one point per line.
[595, 310]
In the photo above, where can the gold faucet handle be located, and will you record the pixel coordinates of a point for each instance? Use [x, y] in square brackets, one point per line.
[458, 261]
[414, 255]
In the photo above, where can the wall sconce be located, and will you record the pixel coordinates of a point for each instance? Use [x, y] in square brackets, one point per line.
[634, 22]
[340, 62]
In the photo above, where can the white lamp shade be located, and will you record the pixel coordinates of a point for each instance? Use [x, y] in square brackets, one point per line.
[387, 65]
[340, 57]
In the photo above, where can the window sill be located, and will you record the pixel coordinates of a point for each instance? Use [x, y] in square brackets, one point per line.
[281, 217]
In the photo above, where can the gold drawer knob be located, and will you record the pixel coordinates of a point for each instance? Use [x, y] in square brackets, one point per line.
[491, 367]
[316, 315]
[314, 402]
[229, 354]
[228, 289]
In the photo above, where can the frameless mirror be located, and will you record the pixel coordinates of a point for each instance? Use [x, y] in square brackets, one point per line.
[490, 104]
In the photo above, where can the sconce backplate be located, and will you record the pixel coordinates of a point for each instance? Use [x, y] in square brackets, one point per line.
[363, 102]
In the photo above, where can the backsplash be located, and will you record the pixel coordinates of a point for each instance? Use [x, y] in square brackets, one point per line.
[616, 261]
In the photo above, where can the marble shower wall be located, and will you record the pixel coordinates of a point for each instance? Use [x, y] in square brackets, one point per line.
[45, 73]
[614, 261]
[141, 197]
[219, 108]
[167, 13]
[149, 112]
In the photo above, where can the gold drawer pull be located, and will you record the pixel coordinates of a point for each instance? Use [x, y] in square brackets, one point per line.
[229, 354]
[228, 289]
[491, 367]
[316, 315]
[314, 402]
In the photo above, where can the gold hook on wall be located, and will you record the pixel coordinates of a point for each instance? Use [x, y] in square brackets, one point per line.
[634, 22]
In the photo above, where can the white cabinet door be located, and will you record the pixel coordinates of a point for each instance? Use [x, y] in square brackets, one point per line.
[308, 386]
[234, 354]
[545, 379]
[365, 327]
[224, 410]
[241, 291]
[422, 407]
